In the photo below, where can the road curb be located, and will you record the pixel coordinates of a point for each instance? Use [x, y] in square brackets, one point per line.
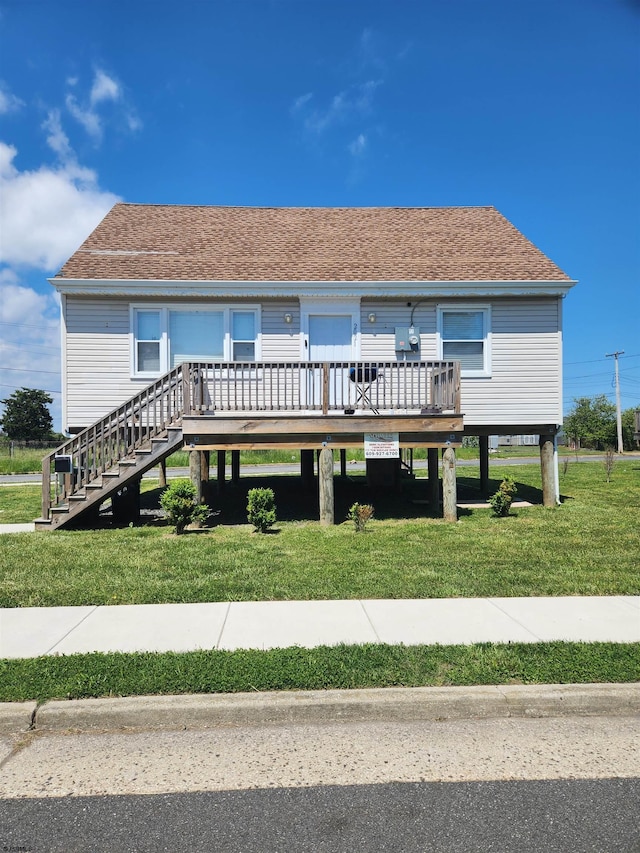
[317, 707]
[16, 716]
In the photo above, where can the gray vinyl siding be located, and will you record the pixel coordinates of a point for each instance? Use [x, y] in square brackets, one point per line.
[280, 340]
[526, 356]
[97, 359]
[524, 386]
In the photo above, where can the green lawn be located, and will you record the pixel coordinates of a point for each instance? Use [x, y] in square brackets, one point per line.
[341, 667]
[587, 546]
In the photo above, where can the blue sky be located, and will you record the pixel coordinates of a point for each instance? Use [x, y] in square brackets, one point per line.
[529, 105]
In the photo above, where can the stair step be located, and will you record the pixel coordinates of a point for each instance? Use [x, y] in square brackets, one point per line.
[78, 497]
[59, 510]
[128, 463]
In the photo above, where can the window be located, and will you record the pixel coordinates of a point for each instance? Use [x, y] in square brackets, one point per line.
[148, 335]
[195, 336]
[464, 337]
[163, 337]
[243, 335]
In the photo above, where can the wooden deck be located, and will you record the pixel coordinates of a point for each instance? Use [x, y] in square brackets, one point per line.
[306, 404]
[214, 405]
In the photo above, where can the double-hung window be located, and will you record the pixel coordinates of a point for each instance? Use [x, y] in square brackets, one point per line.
[165, 336]
[464, 335]
[147, 355]
[243, 335]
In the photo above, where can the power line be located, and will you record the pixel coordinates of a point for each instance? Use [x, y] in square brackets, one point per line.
[30, 325]
[46, 390]
[31, 370]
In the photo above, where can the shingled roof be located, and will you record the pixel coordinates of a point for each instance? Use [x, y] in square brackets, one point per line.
[189, 243]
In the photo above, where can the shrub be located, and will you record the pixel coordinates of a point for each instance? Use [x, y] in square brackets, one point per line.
[261, 508]
[360, 514]
[501, 501]
[179, 504]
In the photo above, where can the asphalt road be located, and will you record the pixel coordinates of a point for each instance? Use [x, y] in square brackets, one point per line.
[564, 816]
[527, 785]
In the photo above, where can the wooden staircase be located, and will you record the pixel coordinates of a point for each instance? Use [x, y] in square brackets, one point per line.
[114, 452]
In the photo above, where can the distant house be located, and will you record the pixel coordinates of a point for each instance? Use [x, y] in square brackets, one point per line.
[228, 326]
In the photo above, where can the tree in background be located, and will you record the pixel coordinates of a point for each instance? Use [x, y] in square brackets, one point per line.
[26, 416]
[628, 428]
[592, 423]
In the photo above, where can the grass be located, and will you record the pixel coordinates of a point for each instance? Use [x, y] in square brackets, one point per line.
[341, 667]
[587, 546]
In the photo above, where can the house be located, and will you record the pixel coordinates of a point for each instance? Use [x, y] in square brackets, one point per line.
[221, 328]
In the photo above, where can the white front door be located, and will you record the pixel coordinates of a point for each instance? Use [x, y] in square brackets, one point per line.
[330, 340]
[330, 337]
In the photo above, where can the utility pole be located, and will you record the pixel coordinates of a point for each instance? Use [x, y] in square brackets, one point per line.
[615, 355]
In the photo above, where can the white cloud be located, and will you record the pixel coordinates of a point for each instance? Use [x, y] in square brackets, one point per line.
[9, 103]
[88, 118]
[48, 212]
[300, 102]
[104, 88]
[355, 101]
[87, 113]
[29, 340]
[358, 146]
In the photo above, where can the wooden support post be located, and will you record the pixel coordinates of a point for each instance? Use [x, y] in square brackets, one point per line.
[162, 474]
[343, 462]
[325, 478]
[222, 469]
[235, 467]
[449, 495]
[434, 480]
[547, 467]
[484, 465]
[195, 473]
[306, 468]
[205, 463]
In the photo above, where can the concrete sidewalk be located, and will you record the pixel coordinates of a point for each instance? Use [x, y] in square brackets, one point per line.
[34, 631]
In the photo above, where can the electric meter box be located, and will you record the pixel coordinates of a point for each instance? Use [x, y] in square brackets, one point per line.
[63, 464]
[407, 338]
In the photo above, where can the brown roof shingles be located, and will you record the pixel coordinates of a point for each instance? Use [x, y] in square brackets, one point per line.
[189, 243]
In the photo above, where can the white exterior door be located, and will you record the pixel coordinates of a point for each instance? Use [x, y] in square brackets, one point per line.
[330, 339]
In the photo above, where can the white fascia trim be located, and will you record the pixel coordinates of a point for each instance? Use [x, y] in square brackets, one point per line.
[237, 289]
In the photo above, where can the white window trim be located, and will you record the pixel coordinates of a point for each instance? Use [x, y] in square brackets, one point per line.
[164, 308]
[486, 315]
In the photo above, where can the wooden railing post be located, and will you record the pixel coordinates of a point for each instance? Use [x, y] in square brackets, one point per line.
[186, 389]
[325, 388]
[46, 486]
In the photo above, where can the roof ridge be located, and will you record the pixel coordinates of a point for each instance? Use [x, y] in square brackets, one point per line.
[306, 207]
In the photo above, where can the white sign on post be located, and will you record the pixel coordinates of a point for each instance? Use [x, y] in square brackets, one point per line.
[381, 445]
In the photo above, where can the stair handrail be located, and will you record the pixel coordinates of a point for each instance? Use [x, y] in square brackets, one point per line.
[116, 436]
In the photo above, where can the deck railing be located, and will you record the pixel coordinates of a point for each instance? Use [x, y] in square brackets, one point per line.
[201, 388]
[346, 386]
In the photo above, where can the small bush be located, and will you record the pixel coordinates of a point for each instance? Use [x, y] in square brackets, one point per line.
[501, 501]
[179, 504]
[360, 514]
[261, 508]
